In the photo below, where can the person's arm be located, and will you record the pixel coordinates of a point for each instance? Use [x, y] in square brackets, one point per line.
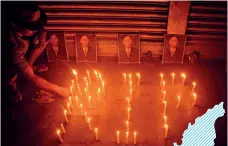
[27, 71]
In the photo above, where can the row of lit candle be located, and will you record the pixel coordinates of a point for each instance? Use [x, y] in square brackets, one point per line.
[130, 77]
[183, 76]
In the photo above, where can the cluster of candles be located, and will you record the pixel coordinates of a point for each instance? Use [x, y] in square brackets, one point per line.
[129, 100]
[75, 98]
[163, 83]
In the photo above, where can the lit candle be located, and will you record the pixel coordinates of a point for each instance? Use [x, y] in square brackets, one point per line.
[58, 132]
[194, 100]
[128, 113]
[117, 137]
[71, 90]
[193, 86]
[76, 75]
[76, 98]
[178, 101]
[165, 119]
[73, 87]
[130, 83]
[65, 115]
[125, 76]
[164, 93]
[166, 130]
[89, 123]
[89, 100]
[87, 86]
[103, 87]
[129, 77]
[79, 90]
[62, 127]
[161, 75]
[173, 76]
[96, 133]
[98, 94]
[165, 104]
[86, 117]
[127, 125]
[128, 101]
[100, 77]
[81, 108]
[184, 77]
[135, 134]
[127, 135]
[68, 106]
[85, 91]
[87, 72]
[138, 75]
[163, 85]
[96, 75]
[130, 94]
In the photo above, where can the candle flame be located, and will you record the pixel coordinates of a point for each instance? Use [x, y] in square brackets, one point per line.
[99, 90]
[89, 97]
[127, 133]
[163, 82]
[95, 72]
[165, 102]
[183, 75]
[68, 104]
[173, 74]
[165, 117]
[135, 133]
[65, 112]
[58, 132]
[74, 72]
[89, 119]
[118, 132]
[76, 97]
[96, 129]
[178, 97]
[164, 92]
[166, 126]
[81, 105]
[161, 74]
[72, 81]
[193, 83]
[128, 109]
[138, 75]
[194, 94]
[124, 74]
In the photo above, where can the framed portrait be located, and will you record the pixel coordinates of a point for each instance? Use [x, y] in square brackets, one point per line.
[56, 48]
[86, 47]
[174, 48]
[128, 48]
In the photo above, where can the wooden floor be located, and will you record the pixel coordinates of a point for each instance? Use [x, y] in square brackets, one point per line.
[35, 124]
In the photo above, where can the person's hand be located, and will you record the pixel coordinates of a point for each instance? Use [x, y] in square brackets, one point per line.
[43, 45]
[64, 92]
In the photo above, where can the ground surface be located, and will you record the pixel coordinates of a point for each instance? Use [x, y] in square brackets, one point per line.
[35, 124]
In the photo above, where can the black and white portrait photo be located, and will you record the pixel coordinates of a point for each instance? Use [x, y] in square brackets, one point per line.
[86, 47]
[129, 48]
[56, 49]
[174, 48]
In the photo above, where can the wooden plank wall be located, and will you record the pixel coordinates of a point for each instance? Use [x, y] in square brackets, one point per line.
[106, 19]
[207, 29]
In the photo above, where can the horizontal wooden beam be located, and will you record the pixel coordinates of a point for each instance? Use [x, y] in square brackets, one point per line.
[104, 7]
[205, 7]
[206, 22]
[107, 15]
[108, 29]
[104, 22]
[197, 14]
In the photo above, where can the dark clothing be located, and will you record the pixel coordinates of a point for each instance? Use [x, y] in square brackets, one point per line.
[91, 55]
[16, 51]
[134, 56]
[176, 58]
[61, 55]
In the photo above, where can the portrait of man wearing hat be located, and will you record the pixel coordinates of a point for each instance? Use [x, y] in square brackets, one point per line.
[24, 42]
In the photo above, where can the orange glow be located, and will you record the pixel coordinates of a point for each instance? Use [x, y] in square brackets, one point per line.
[74, 72]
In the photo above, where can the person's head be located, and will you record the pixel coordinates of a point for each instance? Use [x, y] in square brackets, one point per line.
[84, 41]
[54, 40]
[28, 18]
[127, 41]
[173, 42]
